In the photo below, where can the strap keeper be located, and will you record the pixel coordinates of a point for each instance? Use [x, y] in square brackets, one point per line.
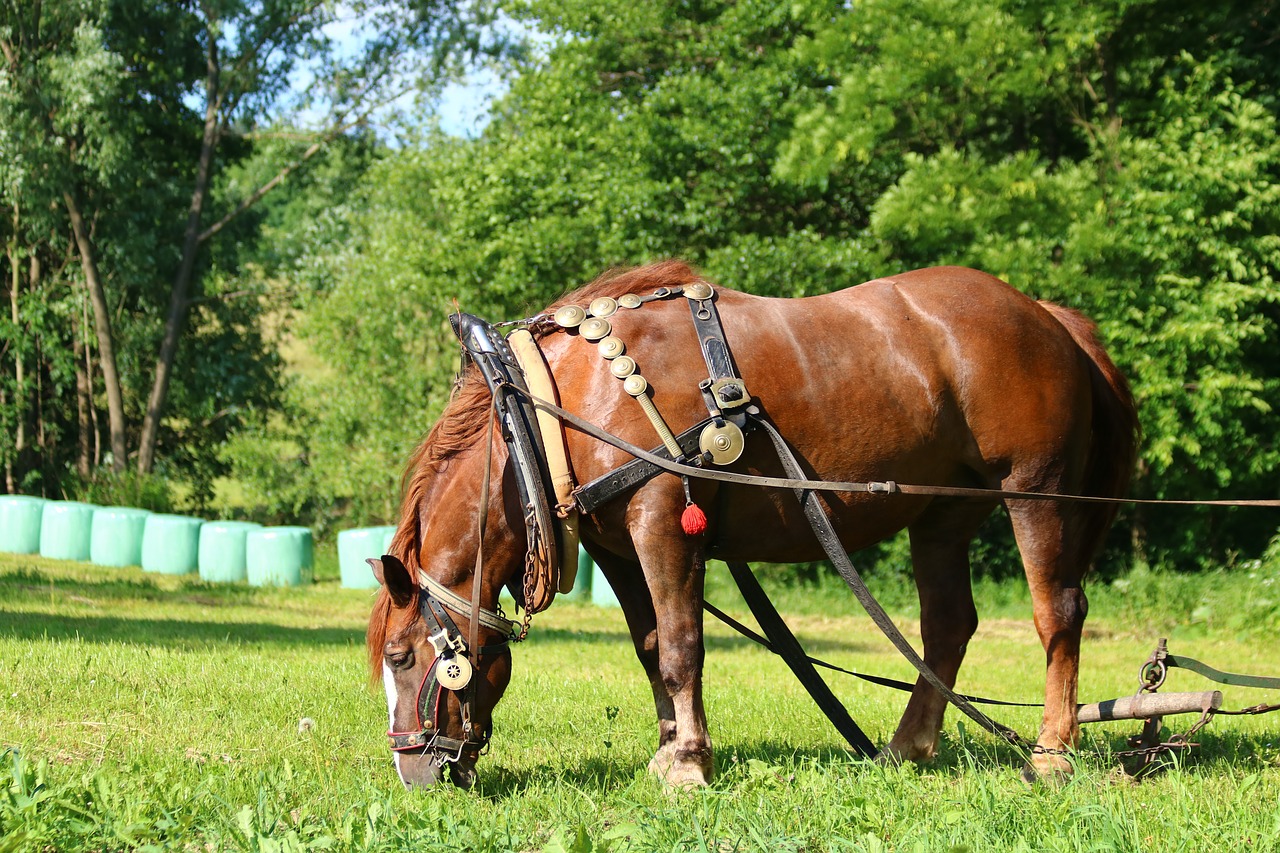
[888, 487]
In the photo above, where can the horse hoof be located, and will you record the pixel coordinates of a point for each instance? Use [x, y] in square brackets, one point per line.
[679, 775]
[1053, 768]
[889, 757]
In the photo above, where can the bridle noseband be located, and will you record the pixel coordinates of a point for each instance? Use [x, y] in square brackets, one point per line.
[452, 669]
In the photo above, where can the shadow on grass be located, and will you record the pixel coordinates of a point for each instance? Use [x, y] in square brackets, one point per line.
[168, 632]
[1225, 754]
[32, 583]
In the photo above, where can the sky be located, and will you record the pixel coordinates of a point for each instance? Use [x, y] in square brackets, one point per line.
[464, 106]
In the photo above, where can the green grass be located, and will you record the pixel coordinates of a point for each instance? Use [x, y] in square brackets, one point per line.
[149, 712]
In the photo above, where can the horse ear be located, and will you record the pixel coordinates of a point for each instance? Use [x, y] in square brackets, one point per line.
[392, 574]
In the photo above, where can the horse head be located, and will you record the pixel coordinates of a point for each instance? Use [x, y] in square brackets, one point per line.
[436, 636]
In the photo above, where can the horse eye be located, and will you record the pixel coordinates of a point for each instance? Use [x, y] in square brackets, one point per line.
[400, 660]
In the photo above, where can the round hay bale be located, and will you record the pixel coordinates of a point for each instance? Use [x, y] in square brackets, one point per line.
[20, 523]
[223, 550]
[601, 593]
[279, 556]
[354, 548]
[582, 581]
[116, 539]
[171, 544]
[65, 530]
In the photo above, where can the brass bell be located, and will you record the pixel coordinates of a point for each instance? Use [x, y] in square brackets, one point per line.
[630, 300]
[611, 347]
[698, 290]
[569, 316]
[453, 672]
[594, 328]
[723, 442]
[605, 306]
[635, 385]
[623, 366]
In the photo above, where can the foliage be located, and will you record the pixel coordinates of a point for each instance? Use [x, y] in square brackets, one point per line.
[125, 488]
[165, 127]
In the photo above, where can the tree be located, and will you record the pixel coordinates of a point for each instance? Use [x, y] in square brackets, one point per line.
[129, 122]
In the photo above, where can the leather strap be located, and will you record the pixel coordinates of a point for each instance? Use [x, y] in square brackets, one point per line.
[459, 605]
[591, 496]
[785, 644]
[881, 680]
[830, 542]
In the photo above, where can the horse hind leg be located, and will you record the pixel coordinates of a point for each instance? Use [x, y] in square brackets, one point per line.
[1055, 558]
[948, 618]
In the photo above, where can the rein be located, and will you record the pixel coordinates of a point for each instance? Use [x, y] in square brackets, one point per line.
[873, 487]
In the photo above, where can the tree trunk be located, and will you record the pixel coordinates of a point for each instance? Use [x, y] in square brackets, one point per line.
[106, 345]
[178, 295]
[19, 368]
[84, 445]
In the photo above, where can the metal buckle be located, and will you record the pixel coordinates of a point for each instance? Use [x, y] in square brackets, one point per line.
[445, 645]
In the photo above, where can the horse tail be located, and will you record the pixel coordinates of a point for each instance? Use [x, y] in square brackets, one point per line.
[1113, 444]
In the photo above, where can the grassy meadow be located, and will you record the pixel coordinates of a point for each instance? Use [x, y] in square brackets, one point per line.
[144, 712]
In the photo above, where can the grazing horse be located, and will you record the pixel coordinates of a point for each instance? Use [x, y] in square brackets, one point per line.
[943, 376]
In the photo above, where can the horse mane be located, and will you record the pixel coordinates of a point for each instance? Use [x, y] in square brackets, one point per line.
[463, 420]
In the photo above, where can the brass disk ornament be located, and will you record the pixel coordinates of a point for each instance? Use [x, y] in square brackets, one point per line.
[630, 300]
[594, 328]
[611, 347]
[569, 316]
[635, 385]
[623, 366]
[453, 673]
[605, 306]
[698, 290]
[724, 442]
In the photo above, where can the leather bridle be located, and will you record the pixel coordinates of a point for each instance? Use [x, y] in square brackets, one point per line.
[451, 670]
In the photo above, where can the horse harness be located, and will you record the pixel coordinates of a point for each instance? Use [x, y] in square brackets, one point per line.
[718, 440]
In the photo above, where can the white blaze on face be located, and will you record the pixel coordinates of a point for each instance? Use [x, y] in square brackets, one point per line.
[389, 685]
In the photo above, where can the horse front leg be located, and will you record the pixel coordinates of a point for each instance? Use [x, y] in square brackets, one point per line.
[628, 583]
[674, 571]
[663, 605]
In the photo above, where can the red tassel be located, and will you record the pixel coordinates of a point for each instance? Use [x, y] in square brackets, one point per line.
[694, 520]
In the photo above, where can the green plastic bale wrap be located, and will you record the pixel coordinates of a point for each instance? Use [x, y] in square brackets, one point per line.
[601, 593]
[223, 552]
[116, 539]
[65, 530]
[279, 556]
[582, 581]
[20, 523]
[171, 544]
[354, 548]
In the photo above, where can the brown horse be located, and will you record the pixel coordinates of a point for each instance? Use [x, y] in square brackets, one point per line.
[942, 376]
